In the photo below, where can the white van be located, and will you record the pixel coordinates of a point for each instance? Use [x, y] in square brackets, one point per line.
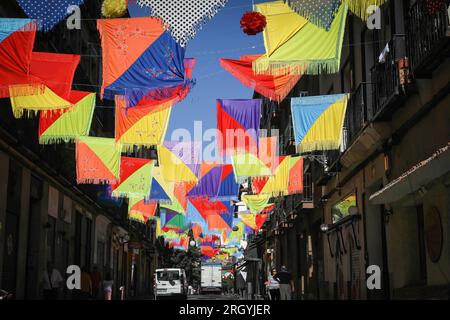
[170, 283]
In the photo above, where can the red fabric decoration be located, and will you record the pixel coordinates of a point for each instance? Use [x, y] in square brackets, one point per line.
[253, 23]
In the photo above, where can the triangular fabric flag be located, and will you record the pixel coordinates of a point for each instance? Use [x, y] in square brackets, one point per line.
[319, 12]
[256, 203]
[141, 127]
[16, 46]
[180, 161]
[318, 122]
[140, 60]
[98, 160]
[278, 184]
[254, 221]
[171, 220]
[183, 18]
[48, 13]
[56, 72]
[311, 50]
[209, 183]
[160, 190]
[229, 188]
[296, 175]
[68, 124]
[206, 207]
[138, 207]
[238, 123]
[273, 87]
[135, 178]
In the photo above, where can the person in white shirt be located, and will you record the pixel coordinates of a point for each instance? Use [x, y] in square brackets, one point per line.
[273, 286]
[52, 282]
[108, 286]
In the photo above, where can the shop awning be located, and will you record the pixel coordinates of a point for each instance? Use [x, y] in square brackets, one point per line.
[415, 178]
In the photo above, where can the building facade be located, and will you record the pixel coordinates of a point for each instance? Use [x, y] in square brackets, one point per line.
[392, 169]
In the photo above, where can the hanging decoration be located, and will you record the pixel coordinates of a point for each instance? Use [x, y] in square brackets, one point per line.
[135, 178]
[256, 203]
[140, 60]
[275, 88]
[98, 160]
[171, 220]
[254, 221]
[114, 8]
[303, 48]
[253, 23]
[183, 18]
[140, 211]
[228, 188]
[56, 72]
[16, 46]
[180, 161]
[278, 184]
[140, 127]
[319, 12]
[296, 175]
[361, 8]
[206, 207]
[68, 124]
[209, 183]
[318, 122]
[220, 222]
[50, 13]
[160, 190]
[238, 122]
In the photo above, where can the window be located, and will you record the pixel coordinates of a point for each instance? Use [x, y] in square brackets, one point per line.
[168, 275]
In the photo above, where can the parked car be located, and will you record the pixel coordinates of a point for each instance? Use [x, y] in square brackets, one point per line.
[170, 283]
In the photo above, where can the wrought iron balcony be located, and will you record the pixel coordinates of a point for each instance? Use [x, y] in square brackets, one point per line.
[428, 40]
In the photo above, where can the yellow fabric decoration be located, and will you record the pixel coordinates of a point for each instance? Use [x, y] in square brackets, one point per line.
[173, 168]
[278, 185]
[114, 8]
[43, 101]
[256, 203]
[361, 7]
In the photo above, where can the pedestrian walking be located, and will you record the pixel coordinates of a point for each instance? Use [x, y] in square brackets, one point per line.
[96, 279]
[286, 283]
[51, 282]
[273, 286]
[107, 286]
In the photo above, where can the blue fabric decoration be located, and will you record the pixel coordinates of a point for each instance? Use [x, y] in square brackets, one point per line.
[49, 12]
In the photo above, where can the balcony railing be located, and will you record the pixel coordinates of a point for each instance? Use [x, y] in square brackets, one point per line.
[359, 112]
[428, 37]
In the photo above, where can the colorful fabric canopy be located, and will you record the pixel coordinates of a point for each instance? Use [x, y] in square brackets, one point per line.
[183, 18]
[140, 60]
[307, 50]
[208, 251]
[296, 175]
[171, 220]
[221, 221]
[180, 161]
[275, 88]
[67, 124]
[16, 45]
[205, 207]
[256, 203]
[318, 121]
[361, 7]
[98, 160]
[228, 188]
[254, 221]
[141, 127]
[56, 72]
[319, 12]
[140, 211]
[238, 122]
[48, 13]
[209, 183]
[135, 178]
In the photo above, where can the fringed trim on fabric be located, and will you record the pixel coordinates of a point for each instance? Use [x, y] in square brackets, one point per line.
[313, 67]
[97, 181]
[156, 201]
[361, 7]
[224, 198]
[130, 147]
[46, 139]
[307, 147]
[20, 90]
[312, 16]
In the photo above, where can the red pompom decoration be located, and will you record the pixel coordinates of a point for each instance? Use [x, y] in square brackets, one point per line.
[253, 23]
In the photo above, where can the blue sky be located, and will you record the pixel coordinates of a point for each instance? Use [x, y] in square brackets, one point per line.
[222, 37]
